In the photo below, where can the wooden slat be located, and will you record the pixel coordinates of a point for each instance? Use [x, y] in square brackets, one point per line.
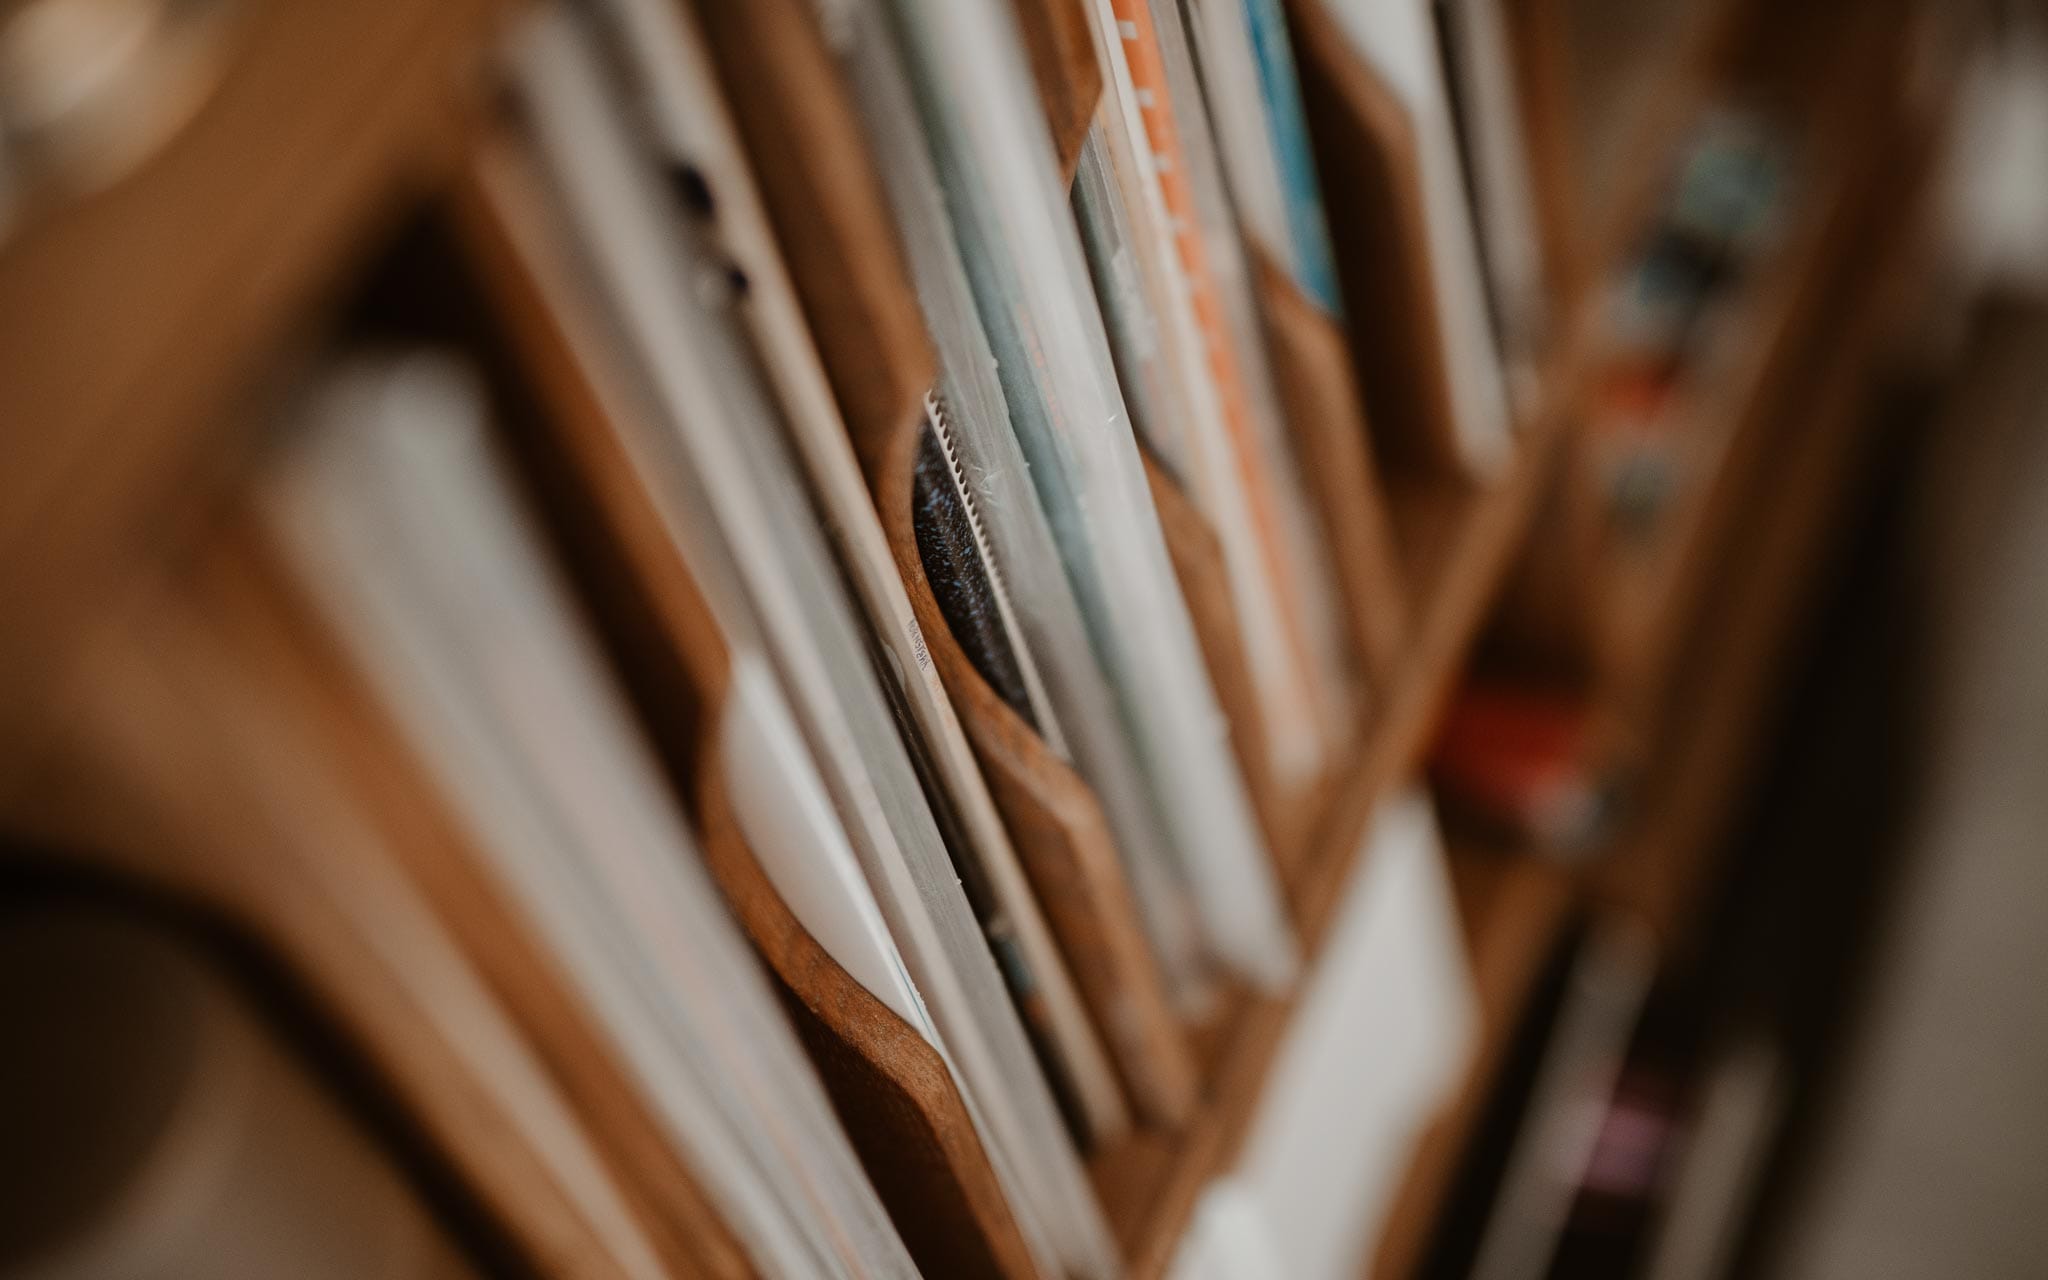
[901, 1108]
[1650, 593]
[1061, 51]
[161, 755]
[801, 125]
[130, 320]
[1457, 542]
[1284, 812]
[1369, 160]
[1063, 841]
[1765, 577]
[267, 625]
[1326, 421]
[1544, 65]
[1757, 553]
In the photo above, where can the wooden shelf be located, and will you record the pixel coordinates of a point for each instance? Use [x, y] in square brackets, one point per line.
[1638, 69]
[1766, 566]
[135, 322]
[1713, 720]
[1513, 906]
[1755, 576]
[1456, 543]
[133, 319]
[1651, 591]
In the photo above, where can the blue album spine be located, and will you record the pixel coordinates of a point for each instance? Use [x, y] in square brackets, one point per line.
[1314, 267]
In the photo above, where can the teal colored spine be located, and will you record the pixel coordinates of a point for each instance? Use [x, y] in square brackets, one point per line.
[1315, 269]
